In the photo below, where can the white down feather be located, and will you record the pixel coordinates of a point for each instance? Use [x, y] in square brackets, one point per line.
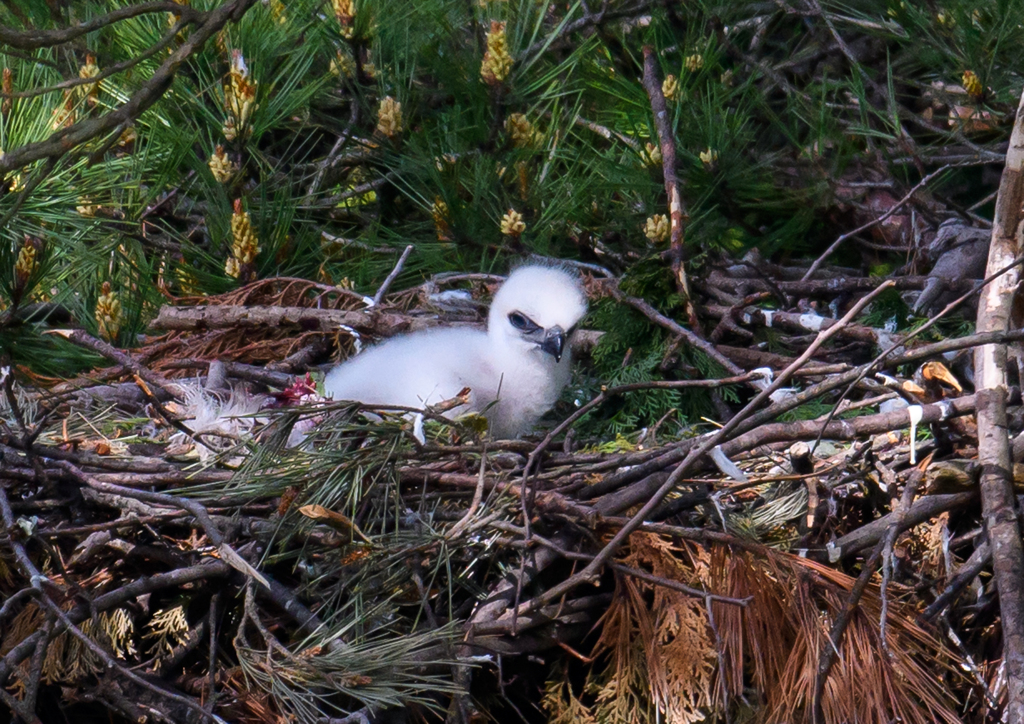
[513, 380]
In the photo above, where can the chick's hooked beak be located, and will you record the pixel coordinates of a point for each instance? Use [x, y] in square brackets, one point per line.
[554, 342]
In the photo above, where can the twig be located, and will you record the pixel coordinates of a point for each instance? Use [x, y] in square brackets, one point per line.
[720, 653]
[680, 587]
[165, 198]
[604, 132]
[188, 17]
[34, 675]
[13, 600]
[143, 377]
[874, 222]
[829, 652]
[35, 39]
[865, 369]
[642, 464]
[533, 52]
[608, 392]
[710, 441]
[211, 622]
[359, 190]
[630, 570]
[112, 353]
[677, 214]
[889, 541]
[478, 496]
[967, 573]
[27, 436]
[833, 286]
[324, 166]
[38, 581]
[223, 316]
[37, 178]
[661, 320]
[207, 570]
[928, 507]
[391, 277]
[598, 400]
[197, 510]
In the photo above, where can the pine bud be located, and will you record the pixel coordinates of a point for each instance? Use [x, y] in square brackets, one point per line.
[521, 131]
[172, 17]
[512, 224]
[972, 84]
[389, 117]
[439, 213]
[7, 86]
[709, 157]
[343, 65]
[28, 258]
[651, 155]
[670, 87]
[447, 160]
[694, 62]
[108, 313]
[86, 208]
[656, 228]
[90, 70]
[244, 246]
[239, 98]
[345, 11]
[221, 166]
[497, 63]
[64, 113]
[277, 11]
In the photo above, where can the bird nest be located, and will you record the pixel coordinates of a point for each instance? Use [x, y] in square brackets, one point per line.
[175, 552]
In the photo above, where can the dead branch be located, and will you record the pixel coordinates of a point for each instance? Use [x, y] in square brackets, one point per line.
[828, 288]
[35, 38]
[921, 511]
[592, 568]
[828, 652]
[997, 497]
[372, 323]
[968, 572]
[677, 214]
[795, 321]
[642, 306]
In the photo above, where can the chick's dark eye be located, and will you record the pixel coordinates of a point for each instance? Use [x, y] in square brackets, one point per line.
[520, 321]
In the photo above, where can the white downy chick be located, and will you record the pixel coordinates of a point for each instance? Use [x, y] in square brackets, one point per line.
[515, 370]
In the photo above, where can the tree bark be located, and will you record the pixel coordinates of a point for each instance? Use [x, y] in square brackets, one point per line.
[997, 498]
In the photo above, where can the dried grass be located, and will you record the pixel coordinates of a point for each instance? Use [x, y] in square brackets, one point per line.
[657, 650]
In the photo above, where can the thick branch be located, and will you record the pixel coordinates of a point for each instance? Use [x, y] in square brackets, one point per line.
[34, 39]
[202, 318]
[997, 499]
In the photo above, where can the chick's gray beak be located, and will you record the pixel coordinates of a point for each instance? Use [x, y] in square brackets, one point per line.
[554, 342]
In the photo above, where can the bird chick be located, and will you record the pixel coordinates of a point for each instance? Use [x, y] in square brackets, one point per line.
[515, 370]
